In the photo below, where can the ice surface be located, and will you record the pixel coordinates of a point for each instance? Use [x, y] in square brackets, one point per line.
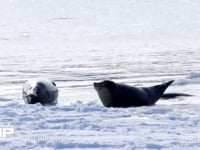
[92, 126]
[78, 42]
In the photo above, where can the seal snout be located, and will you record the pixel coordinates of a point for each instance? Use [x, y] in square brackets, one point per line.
[97, 86]
[32, 92]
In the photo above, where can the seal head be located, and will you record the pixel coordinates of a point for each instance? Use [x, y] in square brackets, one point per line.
[40, 91]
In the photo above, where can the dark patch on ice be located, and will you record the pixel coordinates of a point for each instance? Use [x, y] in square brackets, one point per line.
[60, 145]
[5, 99]
[154, 146]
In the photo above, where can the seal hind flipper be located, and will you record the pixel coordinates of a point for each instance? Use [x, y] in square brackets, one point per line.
[162, 87]
[157, 91]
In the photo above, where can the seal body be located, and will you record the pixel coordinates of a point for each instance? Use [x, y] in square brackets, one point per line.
[40, 91]
[113, 94]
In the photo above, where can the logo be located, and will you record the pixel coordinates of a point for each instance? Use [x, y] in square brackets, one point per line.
[6, 130]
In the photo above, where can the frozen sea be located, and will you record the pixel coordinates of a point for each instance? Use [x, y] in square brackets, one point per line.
[78, 42]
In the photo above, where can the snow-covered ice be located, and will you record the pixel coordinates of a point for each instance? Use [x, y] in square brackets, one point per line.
[78, 42]
[92, 126]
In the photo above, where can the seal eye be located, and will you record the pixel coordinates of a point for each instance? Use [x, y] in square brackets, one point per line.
[53, 83]
[109, 84]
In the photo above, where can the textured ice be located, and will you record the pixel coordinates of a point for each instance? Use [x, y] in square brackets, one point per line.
[78, 42]
[92, 126]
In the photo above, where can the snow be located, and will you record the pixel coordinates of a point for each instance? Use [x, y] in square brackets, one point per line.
[77, 42]
[92, 126]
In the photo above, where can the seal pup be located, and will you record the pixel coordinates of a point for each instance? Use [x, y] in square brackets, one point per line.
[41, 91]
[114, 94]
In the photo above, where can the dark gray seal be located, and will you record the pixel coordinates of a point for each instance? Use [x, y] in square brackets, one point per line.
[119, 95]
[40, 91]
